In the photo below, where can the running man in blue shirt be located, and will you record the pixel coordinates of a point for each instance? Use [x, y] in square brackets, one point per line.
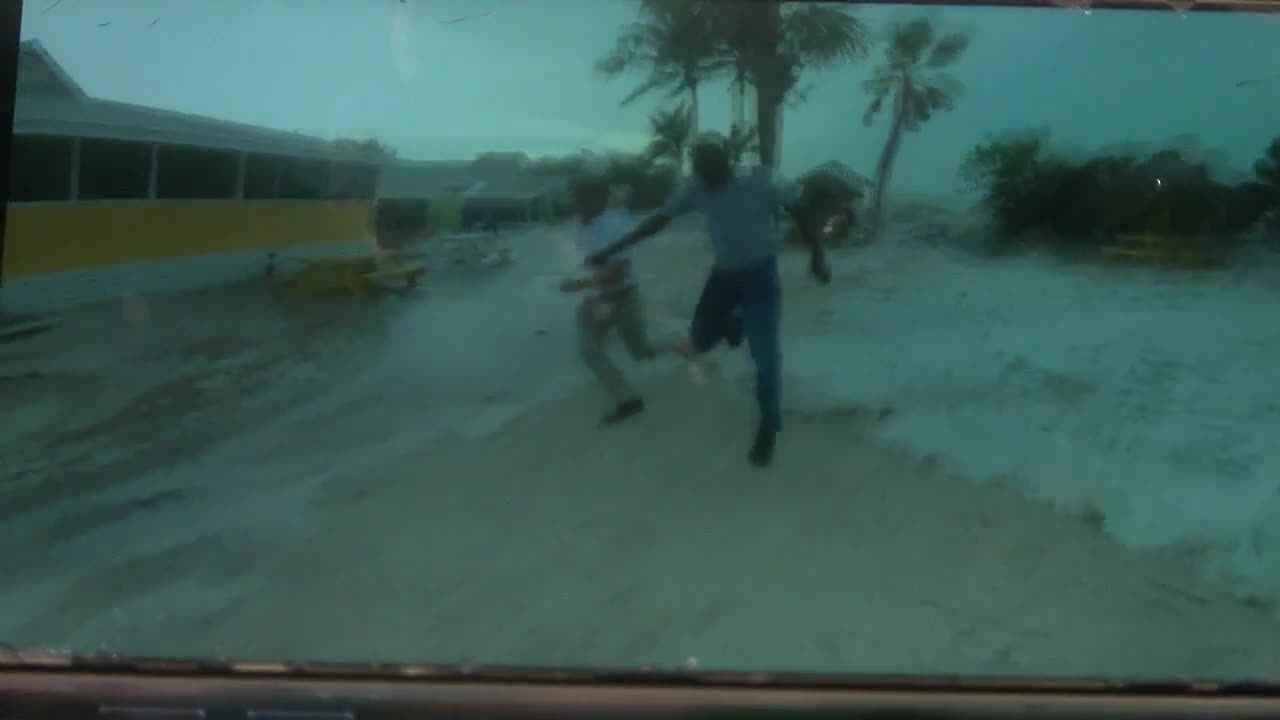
[742, 295]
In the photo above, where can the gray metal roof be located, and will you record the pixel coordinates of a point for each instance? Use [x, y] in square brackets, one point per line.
[40, 74]
[41, 109]
[526, 187]
[418, 179]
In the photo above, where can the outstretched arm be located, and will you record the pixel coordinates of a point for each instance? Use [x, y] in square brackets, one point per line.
[647, 229]
[683, 201]
[604, 278]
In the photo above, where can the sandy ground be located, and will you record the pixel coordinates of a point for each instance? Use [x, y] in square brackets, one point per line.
[422, 479]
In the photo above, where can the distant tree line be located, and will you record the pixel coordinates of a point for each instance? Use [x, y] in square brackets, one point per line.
[371, 148]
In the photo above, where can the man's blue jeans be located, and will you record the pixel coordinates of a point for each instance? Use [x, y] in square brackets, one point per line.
[747, 302]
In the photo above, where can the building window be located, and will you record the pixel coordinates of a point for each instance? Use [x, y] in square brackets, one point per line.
[188, 173]
[260, 177]
[303, 179]
[353, 181]
[114, 170]
[40, 169]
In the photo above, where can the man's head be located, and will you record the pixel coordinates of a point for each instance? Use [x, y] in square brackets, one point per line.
[710, 157]
[590, 188]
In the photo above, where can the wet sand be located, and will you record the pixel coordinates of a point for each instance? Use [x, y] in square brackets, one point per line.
[263, 528]
[556, 542]
[655, 543]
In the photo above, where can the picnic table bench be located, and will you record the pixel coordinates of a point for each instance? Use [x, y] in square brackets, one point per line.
[473, 250]
[358, 275]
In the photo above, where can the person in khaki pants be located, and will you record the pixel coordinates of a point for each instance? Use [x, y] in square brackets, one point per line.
[612, 301]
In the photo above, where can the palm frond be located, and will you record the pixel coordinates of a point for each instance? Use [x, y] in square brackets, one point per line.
[872, 109]
[914, 46]
[917, 107]
[937, 98]
[673, 44]
[654, 82]
[947, 50]
[910, 40]
[820, 34]
[742, 141]
[882, 81]
[672, 129]
[946, 83]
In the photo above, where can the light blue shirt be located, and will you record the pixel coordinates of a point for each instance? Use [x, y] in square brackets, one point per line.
[602, 232]
[740, 215]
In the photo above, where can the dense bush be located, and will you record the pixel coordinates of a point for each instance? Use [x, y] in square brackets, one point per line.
[1029, 189]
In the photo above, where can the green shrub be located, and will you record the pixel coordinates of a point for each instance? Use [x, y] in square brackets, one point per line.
[1028, 189]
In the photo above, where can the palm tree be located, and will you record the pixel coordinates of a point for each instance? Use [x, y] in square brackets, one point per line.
[732, 28]
[912, 80]
[672, 133]
[673, 44]
[772, 47]
[742, 139]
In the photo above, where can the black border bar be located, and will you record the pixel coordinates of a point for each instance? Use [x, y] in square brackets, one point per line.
[1243, 6]
[70, 695]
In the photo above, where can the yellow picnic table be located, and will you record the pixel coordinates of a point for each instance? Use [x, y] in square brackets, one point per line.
[1165, 249]
[1158, 245]
[357, 274]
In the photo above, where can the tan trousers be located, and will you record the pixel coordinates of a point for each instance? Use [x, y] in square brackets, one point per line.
[597, 318]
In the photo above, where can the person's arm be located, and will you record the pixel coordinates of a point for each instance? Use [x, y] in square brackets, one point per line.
[574, 285]
[651, 226]
[680, 203]
[613, 273]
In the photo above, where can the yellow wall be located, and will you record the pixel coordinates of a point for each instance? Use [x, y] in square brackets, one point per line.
[50, 238]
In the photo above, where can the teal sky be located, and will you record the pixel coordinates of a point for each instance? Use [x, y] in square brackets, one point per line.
[517, 75]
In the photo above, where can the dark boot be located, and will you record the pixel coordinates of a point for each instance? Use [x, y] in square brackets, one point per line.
[762, 449]
[624, 410]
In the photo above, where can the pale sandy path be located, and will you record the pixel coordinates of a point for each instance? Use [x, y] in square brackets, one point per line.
[655, 543]
[350, 529]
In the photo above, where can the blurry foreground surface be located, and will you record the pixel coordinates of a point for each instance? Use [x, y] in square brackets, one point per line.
[990, 466]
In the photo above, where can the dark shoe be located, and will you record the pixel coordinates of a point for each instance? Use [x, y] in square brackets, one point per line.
[624, 410]
[762, 449]
[733, 334]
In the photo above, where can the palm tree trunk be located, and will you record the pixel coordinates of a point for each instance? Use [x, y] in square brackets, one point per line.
[884, 169]
[766, 26]
[693, 110]
[738, 105]
[769, 122]
[777, 137]
[693, 125]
